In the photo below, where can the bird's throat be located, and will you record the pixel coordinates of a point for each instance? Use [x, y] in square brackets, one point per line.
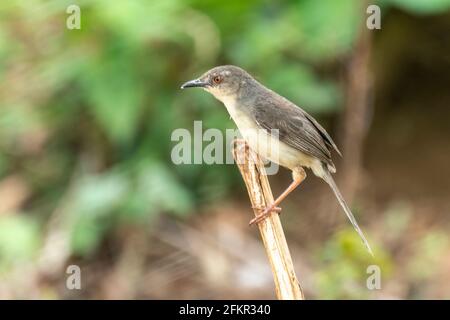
[240, 115]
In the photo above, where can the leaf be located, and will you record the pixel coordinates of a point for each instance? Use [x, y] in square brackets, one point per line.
[19, 239]
[87, 233]
[94, 199]
[114, 93]
[328, 28]
[157, 189]
[300, 85]
[97, 195]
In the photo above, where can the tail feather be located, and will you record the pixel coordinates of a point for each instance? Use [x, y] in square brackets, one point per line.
[329, 179]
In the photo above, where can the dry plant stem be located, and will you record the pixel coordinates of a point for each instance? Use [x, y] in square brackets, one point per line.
[252, 170]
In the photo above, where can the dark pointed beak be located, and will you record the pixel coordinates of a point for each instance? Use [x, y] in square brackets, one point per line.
[194, 83]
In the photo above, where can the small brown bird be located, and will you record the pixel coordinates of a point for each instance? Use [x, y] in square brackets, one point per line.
[299, 140]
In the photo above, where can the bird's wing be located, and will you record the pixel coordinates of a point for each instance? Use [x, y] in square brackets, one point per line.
[323, 133]
[295, 127]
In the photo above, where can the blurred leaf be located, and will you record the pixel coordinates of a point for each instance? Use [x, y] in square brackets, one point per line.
[157, 189]
[301, 85]
[86, 235]
[430, 249]
[97, 195]
[112, 86]
[19, 239]
[140, 19]
[94, 198]
[328, 27]
[343, 266]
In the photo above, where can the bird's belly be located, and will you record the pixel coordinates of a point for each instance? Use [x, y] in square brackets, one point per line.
[276, 151]
[270, 147]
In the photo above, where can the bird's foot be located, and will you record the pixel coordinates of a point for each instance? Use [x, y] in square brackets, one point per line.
[265, 213]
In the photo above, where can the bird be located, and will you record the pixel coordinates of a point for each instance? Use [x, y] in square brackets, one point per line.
[276, 129]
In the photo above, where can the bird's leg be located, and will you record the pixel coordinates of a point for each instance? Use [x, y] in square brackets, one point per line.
[298, 175]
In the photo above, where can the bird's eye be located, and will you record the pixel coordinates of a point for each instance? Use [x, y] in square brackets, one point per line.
[217, 79]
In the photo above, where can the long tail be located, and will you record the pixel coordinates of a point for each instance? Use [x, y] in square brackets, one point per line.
[329, 179]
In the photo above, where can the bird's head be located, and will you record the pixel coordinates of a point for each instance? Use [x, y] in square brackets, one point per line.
[223, 82]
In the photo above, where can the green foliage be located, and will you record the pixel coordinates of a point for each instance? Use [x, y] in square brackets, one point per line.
[429, 254]
[343, 262]
[328, 28]
[94, 198]
[316, 95]
[19, 239]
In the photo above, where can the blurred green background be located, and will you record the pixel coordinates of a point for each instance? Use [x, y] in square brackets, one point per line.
[86, 176]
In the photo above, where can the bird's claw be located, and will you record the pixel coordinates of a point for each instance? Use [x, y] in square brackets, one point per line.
[265, 213]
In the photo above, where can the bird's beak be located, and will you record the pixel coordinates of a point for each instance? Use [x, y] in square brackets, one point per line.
[194, 83]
